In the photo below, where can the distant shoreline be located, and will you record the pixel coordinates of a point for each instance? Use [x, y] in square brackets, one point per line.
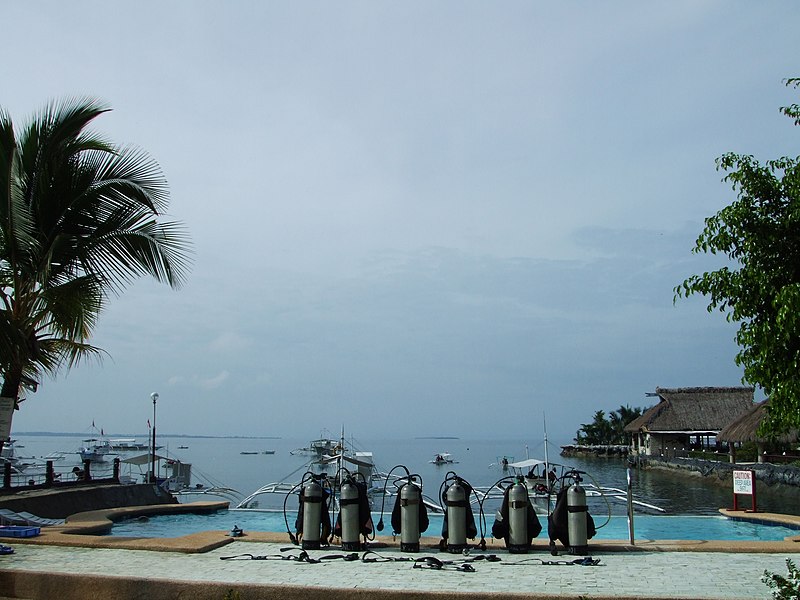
[171, 435]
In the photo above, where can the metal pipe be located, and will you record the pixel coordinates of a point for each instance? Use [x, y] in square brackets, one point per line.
[630, 507]
[154, 396]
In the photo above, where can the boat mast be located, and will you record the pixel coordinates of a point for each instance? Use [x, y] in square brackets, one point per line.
[546, 461]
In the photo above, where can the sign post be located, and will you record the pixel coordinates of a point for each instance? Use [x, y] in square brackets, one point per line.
[744, 483]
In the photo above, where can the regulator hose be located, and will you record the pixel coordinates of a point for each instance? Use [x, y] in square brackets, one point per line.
[306, 476]
[379, 526]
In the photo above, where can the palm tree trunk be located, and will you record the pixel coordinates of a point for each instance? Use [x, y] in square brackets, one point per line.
[11, 383]
[10, 390]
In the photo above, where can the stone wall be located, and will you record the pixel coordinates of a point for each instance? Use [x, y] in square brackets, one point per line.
[55, 503]
[723, 471]
[599, 450]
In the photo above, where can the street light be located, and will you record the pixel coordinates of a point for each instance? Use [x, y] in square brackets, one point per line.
[154, 396]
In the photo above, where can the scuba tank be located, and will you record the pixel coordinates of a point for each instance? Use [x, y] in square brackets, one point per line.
[409, 515]
[456, 502]
[349, 501]
[577, 518]
[516, 521]
[410, 501]
[459, 522]
[311, 500]
[354, 513]
[518, 540]
[570, 522]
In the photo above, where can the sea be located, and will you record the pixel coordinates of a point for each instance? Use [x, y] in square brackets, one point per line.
[244, 465]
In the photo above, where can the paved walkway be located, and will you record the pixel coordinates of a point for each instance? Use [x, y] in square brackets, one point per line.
[62, 564]
[701, 575]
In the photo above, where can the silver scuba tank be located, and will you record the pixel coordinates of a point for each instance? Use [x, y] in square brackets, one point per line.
[456, 500]
[410, 499]
[518, 542]
[312, 515]
[349, 509]
[576, 519]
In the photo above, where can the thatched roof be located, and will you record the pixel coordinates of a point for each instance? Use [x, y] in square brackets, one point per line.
[694, 409]
[745, 428]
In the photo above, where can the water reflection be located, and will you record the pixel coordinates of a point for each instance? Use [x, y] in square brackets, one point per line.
[684, 493]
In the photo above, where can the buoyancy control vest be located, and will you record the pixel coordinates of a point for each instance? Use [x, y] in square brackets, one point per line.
[500, 528]
[557, 522]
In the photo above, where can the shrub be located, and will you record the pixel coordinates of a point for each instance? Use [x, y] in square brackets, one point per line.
[784, 588]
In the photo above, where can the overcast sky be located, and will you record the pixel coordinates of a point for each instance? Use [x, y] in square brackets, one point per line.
[412, 218]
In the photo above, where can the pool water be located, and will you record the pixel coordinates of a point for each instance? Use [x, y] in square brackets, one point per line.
[646, 527]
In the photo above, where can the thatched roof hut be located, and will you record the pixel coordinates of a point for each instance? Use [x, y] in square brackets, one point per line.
[694, 410]
[745, 428]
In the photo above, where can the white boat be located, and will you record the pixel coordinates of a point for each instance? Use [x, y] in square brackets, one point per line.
[128, 445]
[96, 450]
[319, 448]
[442, 458]
[8, 454]
[539, 475]
[331, 468]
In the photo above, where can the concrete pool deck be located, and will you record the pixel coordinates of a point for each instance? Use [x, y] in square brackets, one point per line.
[66, 565]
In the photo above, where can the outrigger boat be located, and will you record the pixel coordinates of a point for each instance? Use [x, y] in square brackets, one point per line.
[8, 454]
[129, 445]
[95, 450]
[442, 458]
[346, 460]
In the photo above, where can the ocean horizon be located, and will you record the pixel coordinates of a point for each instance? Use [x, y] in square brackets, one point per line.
[239, 462]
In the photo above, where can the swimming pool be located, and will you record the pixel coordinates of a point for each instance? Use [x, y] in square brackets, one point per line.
[646, 527]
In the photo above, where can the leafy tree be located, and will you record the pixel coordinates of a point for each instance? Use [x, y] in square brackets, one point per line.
[79, 220]
[760, 234]
[611, 431]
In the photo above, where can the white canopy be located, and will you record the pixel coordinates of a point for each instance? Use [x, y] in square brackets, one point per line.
[527, 464]
[142, 459]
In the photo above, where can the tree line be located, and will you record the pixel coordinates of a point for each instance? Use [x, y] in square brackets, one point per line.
[607, 431]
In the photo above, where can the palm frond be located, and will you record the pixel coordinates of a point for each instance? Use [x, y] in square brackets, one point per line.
[79, 218]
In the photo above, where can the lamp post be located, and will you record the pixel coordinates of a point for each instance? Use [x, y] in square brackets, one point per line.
[154, 396]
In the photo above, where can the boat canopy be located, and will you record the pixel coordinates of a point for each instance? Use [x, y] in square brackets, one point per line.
[527, 464]
[352, 460]
[142, 459]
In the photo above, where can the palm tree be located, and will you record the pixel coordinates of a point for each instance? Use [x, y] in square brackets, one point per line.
[79, 220]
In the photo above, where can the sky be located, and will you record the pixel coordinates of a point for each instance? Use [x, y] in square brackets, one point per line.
[408, 219]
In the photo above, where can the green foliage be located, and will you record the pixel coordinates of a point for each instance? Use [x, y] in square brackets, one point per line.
[760, 288]
[79, 220]
[232, 595]
[607, 431]
[784, 588]
[747, 452]
[708, 455]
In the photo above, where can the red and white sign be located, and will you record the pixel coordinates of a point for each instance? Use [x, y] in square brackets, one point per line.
[743, 482]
